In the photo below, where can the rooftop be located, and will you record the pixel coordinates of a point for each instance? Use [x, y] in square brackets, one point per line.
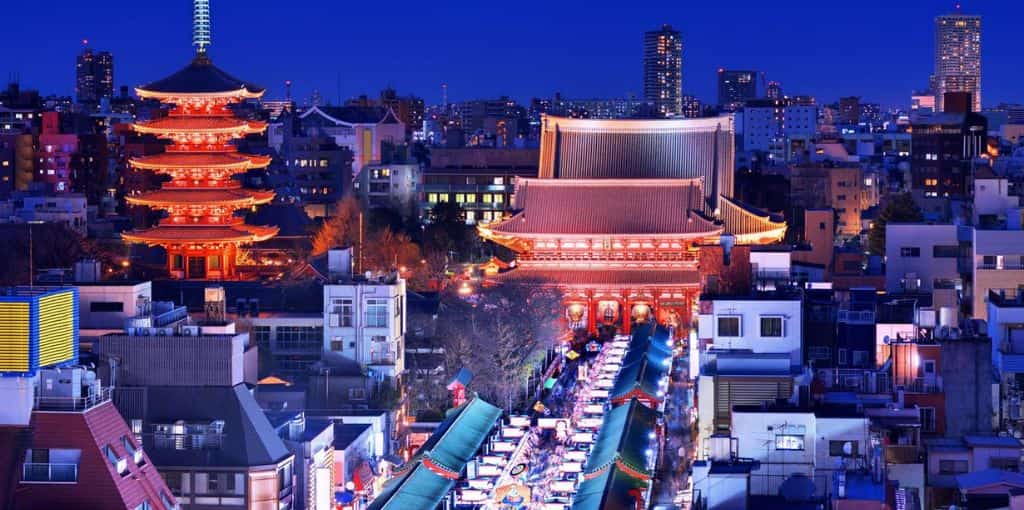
[200, 77]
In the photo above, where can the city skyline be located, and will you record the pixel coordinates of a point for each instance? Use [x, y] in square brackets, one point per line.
[322, 51]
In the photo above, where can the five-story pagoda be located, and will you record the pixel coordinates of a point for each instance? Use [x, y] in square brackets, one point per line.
[200, 232]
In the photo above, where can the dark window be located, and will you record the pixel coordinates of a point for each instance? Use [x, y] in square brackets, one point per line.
[771, 326]
[839, 448]
[952, 467]
[842, 356]
[945, 252]
[928, 422]
[1004, 463]
[173, 480]
[729, 326]
[106, 306]
[912, 251]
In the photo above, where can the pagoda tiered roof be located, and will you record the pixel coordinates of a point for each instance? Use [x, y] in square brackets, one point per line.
[210, 160]
[197, 124]
[559, 208]
[231, 234]
[200, 77]
[749, 224]
[236, 198]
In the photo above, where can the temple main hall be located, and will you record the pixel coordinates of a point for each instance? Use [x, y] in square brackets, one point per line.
[618, 214]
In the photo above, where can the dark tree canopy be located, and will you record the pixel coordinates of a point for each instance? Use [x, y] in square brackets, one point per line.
[901, 209]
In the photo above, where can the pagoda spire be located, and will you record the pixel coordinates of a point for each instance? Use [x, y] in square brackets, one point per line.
[200, 25]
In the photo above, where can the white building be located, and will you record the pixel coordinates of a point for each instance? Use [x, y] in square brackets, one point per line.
[70, 210]
[364, 317]
[921, 257]
[769, 126]
[789, 440]
[361, 130]
[770, 324]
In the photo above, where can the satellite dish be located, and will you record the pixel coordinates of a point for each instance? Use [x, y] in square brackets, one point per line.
[797, 488]
[886, 340]
[848, 448]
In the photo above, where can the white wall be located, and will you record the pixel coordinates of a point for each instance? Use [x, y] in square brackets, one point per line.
[924, 238]
[356, 341]
[750, 312]
[129, 296]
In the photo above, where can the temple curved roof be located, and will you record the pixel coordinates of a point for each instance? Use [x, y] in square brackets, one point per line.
[161, 235]
[200, 77]
[220, 196]
[634, 207]
[176, 124]
[218, 160]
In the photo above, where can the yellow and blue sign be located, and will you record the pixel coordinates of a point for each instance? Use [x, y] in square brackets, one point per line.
[38, 329]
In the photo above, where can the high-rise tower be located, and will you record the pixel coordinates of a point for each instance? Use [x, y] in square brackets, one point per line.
[201, 233]
[663, 70]
[958, 57]
[94, 76]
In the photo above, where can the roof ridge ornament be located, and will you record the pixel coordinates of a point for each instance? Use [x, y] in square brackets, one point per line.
[201, 26]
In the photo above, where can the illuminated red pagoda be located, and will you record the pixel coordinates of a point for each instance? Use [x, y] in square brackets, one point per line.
[201, 233]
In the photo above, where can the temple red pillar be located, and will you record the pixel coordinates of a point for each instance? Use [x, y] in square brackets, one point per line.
[591, 314]
[626, 314]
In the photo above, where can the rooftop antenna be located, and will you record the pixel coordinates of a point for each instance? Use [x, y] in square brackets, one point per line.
[200, 26]
[288, 90]
[444, 95]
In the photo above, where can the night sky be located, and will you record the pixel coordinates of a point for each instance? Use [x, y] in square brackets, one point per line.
[522, 49]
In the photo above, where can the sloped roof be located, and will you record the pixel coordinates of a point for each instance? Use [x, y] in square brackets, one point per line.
[200, 77]
[350, 114]
[624, 436]
[248, 439]
[592, 277]
[419, 483]
[643, 375]
[608, 207]
[201, 160]
[199, 196]
[987, 477]
[228, 234]
[418, 488]
[608, 491]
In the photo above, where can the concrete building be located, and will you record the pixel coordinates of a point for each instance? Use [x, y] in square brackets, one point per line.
[735, 88]
[949, 459]
[788, 440]
[184, 393]
[480, 180]
[663, 70]
[364, 318]
[921, 257]
[957, 58]
[293, 342]
[767, 324]
[311, 441]
[394, 186]
[70, 209]
[944, 146]
[998, 263]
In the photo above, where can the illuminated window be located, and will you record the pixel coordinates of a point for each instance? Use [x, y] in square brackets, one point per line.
[499, 181]
[470, 197]
[498, 198]
[460, 198]
[385, 172]
[789, 442]
[432, 198]
[487, 198]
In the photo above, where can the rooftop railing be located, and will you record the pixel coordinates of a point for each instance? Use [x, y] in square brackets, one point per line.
[80, 404]
[49, 472]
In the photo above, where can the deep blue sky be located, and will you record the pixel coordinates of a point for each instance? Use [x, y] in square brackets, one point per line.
[878, 49]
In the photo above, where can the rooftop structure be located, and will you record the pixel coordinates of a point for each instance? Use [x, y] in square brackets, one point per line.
[201, 234]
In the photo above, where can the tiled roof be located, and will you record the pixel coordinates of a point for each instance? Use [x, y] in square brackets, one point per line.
[613, 489]
[987, 477]
[201, 160]
[99, 485]
[419, 483]
[200, 76]
[608, 207]
[232, 234]
[221, 196]
[204, 124]
[587, 277]
[624, 436]
[248, 438]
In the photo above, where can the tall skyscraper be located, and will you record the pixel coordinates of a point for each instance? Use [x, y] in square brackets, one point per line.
[736, 88]
[958, 57]
[774, 90]
[663, 70]
[94, 76]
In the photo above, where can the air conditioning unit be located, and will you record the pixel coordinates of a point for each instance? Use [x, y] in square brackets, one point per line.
[190, 330]
[143, 331]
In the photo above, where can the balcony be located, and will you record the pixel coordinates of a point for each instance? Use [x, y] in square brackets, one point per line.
[921, 385]
[48, 472]
[904, 454]
[856, 316]
[382, 359]
[1006, 297]
[73, 404]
